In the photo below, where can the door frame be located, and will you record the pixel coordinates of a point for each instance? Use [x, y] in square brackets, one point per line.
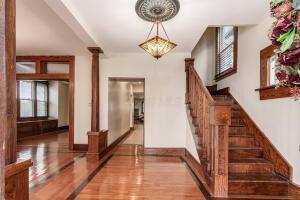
[41, 74]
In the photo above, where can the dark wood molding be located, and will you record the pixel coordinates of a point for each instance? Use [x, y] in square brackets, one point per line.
[80, 147]
[16, 180]
[233, 70]
[164, 151]
[63, 77]
[267, 91]
[112, 146]
[10, 77]
[198, 170]
[41, 74]
[271, 92]
[97, 142]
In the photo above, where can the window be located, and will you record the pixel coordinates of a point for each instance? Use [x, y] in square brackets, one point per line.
[268, 78]
[226, 52]
[32, 99]
[26, 99]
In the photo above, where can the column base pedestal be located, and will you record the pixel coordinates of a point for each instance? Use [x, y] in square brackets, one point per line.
[97, 142]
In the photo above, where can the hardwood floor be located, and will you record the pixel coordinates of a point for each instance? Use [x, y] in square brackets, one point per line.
[123, 173]
[49, 153]
[137, 136]
[142, 177]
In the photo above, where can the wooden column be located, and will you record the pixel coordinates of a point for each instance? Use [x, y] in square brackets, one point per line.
[97, 140]
[221, 120]
[14, 175]
[10, 78]
[3, 100]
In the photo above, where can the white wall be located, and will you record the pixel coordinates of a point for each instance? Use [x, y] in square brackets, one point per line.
[278, 119]
[204, 54]
[164, 94]
[82, 99]
[119, 109]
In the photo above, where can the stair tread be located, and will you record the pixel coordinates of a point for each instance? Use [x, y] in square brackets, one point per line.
[241, 135]
[253, 177]
[237, 125]
[249, 161]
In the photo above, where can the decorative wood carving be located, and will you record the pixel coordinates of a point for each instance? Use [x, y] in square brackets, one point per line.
[212, 129]
[16, 180]
[97, 140]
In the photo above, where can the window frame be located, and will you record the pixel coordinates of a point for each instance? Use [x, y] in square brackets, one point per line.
[267, 91]
[34, 93]
[232, 70]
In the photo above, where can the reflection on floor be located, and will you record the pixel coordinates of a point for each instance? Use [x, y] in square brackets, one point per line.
[48, 154]
[123, 173]
[137, 136]
[142, 177]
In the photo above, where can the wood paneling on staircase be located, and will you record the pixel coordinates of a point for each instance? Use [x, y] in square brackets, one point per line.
[254, 169]
[211, 120]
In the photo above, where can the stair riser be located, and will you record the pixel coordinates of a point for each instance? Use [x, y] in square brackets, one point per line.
[248, 154]
[241, 141]
[250, 168]
[258, 188]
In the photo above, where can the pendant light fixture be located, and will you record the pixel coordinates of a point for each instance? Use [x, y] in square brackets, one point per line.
[156, 12]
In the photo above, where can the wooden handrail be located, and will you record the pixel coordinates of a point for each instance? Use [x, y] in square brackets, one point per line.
[212, 122]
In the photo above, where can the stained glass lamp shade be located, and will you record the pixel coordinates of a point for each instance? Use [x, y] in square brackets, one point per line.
[157, 46]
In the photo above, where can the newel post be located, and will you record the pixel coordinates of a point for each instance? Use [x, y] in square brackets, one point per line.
[189, 63]
[97, 140]
[221, 120]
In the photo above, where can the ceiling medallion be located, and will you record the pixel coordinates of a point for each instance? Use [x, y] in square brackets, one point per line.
[157, 11]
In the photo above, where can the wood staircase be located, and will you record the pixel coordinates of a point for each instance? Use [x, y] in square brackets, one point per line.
[252, 167]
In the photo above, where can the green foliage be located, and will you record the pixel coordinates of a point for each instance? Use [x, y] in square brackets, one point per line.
[284, 36]
[288, 41]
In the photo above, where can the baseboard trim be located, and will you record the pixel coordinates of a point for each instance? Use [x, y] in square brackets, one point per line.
[115, 143]
[80, 147]
[164, 151]
[196, 168]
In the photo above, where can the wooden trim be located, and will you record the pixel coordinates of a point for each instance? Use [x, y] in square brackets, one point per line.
[271, 92]
[232, 70]
[44, 76]
[115, 143]
[3, 100]
[198, 170]
[63, 77]
[281, 165]
[80, 147]
[16, 180]
[265, 55]
[294, 190]
[164, 151]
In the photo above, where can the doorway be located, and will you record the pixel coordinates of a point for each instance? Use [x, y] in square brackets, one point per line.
[126, 111]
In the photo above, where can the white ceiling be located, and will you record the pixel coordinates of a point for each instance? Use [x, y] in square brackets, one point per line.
[114, 25]
[40, 31]
[69, 26]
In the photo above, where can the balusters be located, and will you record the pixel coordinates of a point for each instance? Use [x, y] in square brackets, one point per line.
[212, 127]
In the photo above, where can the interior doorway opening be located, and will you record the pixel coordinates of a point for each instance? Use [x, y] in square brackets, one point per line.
[126, 99]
